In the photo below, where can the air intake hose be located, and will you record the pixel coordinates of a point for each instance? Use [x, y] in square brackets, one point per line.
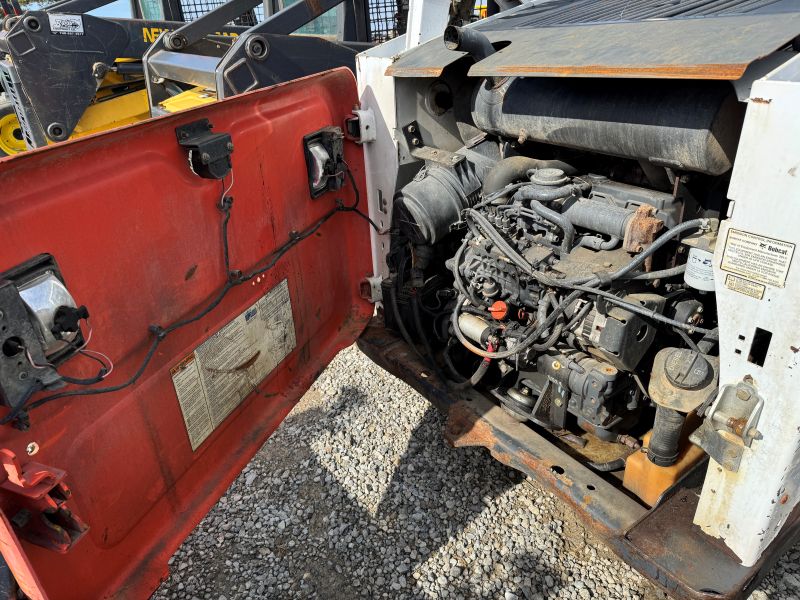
[663, 447]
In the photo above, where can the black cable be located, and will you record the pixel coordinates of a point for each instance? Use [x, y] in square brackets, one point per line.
[233, 279]
[686, 338]
[225, 206]
[95, 359]
[354, 207]
[19, 408]
[651, 275]
[88, 381]
[641, 257]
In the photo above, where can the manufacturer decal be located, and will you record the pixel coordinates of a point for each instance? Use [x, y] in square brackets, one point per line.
[743, 286]
[61, 24]
[757, 257]
[222, 371]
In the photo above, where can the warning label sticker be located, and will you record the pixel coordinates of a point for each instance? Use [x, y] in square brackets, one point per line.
[743, 286]
[223, 370]
[757, 257]
[61, 24]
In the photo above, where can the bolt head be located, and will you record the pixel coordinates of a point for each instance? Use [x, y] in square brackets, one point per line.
[32, 448]
[743, 395]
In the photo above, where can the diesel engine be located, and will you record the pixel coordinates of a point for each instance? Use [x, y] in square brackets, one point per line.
[560, 259]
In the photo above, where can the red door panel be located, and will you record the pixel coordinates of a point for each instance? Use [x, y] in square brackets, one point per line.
[137, 237]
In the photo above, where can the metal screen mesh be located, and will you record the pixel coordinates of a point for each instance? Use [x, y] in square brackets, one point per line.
[193, 9]
[387, 19]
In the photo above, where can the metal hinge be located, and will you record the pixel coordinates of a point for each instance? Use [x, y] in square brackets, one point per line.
[730, 424]
[360, 126]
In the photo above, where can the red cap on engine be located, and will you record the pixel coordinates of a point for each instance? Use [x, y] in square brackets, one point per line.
[499, 310]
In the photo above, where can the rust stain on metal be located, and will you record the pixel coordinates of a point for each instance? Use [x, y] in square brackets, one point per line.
[761, 100]
[642, 230]
[707, 71]
[794, 349]
[464, 428]
[784, 498]
[414, 71]
[737, 425]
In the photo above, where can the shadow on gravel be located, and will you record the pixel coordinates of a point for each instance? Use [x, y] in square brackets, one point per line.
[433, 497]
[357, 495]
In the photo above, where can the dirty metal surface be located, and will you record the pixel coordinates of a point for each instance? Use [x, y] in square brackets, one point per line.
[661, 543]
[138, 239]
[479, 422]
[699, 48]
[566, 12]
[669, 549]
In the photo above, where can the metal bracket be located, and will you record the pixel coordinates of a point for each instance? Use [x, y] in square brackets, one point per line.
[370, 289]
[419, 150]
[730, 425]
[209, 153]
[360, 126]
[36, 504]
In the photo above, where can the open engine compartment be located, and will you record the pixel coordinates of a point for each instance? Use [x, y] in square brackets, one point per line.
[560, 260]
[557, 250]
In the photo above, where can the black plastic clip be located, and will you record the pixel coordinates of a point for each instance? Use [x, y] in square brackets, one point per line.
[209, 153]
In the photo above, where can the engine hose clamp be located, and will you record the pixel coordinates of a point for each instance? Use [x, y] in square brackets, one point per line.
[604, 278]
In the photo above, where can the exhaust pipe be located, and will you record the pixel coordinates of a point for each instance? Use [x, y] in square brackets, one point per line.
[474, 43]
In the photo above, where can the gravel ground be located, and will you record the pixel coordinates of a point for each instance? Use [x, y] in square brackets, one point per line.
[357, 495]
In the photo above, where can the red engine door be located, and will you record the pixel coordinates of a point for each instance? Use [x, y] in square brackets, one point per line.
[138, 239]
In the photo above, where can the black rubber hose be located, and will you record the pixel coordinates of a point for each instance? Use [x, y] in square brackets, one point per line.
[663, 447]
[663, 274]
[598, 243]
[398, 319]
[557, 219]
[545, 193]
[649, 251]
[476, 376]
[468, 40]
[515, 168]
[640, 310]
[607, 467]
